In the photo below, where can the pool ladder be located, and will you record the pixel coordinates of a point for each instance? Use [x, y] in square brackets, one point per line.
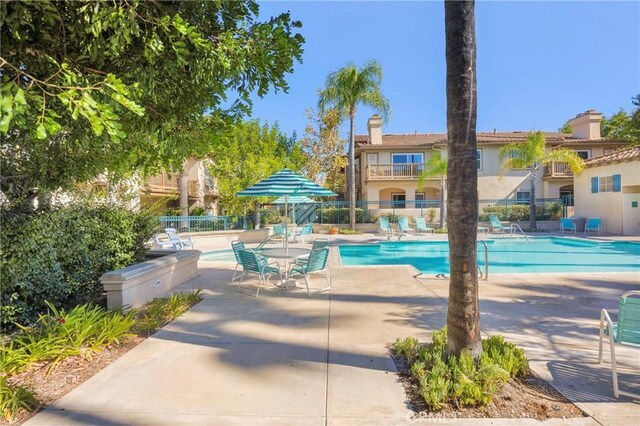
[484, 275]
[519, 228]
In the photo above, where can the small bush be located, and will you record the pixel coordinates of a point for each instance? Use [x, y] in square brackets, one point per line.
[161, 311]
[59, 255]
[463, 380]
[393, 218]
[349, 231]
[14, 399]
[339, 215]
[513, 213]
[197, 211]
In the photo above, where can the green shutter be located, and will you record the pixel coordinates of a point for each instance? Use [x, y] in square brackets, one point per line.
[594, 185]
[617, 183]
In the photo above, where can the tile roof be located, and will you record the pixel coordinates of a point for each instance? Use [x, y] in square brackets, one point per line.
[623, 155]
[429, 139]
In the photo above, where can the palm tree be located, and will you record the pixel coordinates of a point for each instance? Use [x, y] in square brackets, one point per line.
[345, 89]
[463, 313]
[436, 166]
[530, 155]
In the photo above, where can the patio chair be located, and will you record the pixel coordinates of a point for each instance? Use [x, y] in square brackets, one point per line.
[318, 243]
[238, 245]
[421, 226]
[495, 225]
[162, 245]
[253, 263]
[305, 231]
[180, 243]
[317, 263]
[385, 228]
[593, 224]
[567, 224]
[625, 332]
[403, 224]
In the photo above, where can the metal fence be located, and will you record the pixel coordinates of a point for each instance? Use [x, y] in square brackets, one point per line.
[203, 223]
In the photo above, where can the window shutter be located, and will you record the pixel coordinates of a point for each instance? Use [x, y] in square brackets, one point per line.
[617, 184]
[594, 185]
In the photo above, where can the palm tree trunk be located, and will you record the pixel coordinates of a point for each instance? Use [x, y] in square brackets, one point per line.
[443, 204]
[463, 314]
[352, 172]
[532, 200]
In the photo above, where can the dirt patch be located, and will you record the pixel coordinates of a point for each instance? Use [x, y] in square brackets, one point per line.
[69, 374]
[529, 397]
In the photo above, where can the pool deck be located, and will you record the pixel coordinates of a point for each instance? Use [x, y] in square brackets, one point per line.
[285, 358]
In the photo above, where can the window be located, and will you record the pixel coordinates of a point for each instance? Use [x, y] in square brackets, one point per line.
[522, 197]
[407, 158]
[403, 164]
[605, 184]
[585, 154]
[479, 158]
[372, 158]
[398, 200]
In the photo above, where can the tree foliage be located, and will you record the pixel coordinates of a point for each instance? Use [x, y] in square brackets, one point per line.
[436, 166]
[324, 149]
[89, 86]
[344, 90]
[244, 156]
[622, 126]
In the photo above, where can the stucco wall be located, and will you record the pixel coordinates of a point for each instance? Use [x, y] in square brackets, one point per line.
[607, 205]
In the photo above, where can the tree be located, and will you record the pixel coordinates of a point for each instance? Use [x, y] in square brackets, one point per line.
[244, 156]
[566, 128]
[344, 90]
[531, 155]
[463, 314]
[436, 166]
[89, 86]
[623, 126]
[324, 149]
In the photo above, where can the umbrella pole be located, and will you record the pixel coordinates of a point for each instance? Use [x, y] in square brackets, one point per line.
[286, 225]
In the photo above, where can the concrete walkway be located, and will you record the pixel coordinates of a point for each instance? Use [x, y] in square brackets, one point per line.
[285, 358]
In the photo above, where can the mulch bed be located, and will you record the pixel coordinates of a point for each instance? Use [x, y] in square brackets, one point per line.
[529, 397]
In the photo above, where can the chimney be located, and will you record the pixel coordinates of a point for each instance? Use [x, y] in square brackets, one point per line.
[374, 126]
[586, 125]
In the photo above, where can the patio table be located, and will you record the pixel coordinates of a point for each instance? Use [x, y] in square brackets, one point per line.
[286, 254]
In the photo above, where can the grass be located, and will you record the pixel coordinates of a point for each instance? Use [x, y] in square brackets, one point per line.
[83, 331]
[461, 381]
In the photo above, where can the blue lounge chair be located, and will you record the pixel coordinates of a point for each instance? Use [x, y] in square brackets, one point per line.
[278, 232]
[421, 226]
[593, 224]
[305, 231]
[403, 224]
[495, 225]
[317, 263]
[253, 263]
[567, 224]
[385, 228]
[625, 332]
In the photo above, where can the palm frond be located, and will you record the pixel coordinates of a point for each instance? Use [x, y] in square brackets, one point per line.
[565, 155]
[436, 166]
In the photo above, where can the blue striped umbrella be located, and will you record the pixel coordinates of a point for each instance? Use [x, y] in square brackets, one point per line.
[286, 183]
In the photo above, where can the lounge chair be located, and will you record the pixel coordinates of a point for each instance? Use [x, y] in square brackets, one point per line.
[385, 228]
[593, 224]
[278, 232]
[317, 263]
[305, 231]
[495, 225]
[253, 263]
[180, 243]
[567, 224]
[421, 226]
[162, 244]
[403, 224]
[625, 332]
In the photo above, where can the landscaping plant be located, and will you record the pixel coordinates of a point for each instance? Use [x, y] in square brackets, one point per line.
[13, 399]
[161, 311]
[460, 380]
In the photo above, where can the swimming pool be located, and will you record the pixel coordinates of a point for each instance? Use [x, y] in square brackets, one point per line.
[509, 255]
[218, 256]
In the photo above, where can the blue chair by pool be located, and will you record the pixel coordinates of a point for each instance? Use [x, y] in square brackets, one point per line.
[593, 224]
[253, 263]
[278, 232]
[421, 226]
[385, 227]
[318, 243]
[495, 225]
[305, 231]
[625, 332]
[567, 224]
[403, 224]
[317, 263]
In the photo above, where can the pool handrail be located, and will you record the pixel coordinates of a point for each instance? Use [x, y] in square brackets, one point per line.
[515, 226]
[485, 275]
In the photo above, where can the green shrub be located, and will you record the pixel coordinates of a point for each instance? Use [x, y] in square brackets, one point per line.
[513, 213]
[555, 210]
[463, 380]
[161, 311]
[349, 231]
[270, 217]
[59, 255]
[13, 399]
[197, 211]
[339, 215]
[393, 218]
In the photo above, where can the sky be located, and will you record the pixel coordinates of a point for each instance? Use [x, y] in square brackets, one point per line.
[538, 63]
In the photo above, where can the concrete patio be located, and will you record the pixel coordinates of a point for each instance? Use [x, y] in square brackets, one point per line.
[285, 358]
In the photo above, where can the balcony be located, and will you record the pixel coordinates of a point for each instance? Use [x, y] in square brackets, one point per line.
[170, 184]
[557, 170]
[393, 171]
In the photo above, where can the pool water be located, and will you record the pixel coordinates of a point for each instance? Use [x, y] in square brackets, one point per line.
[509, 255]
[218, 256]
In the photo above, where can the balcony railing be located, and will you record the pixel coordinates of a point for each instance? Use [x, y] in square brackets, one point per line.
[170, 183]
[558, 169]
[393, 171]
